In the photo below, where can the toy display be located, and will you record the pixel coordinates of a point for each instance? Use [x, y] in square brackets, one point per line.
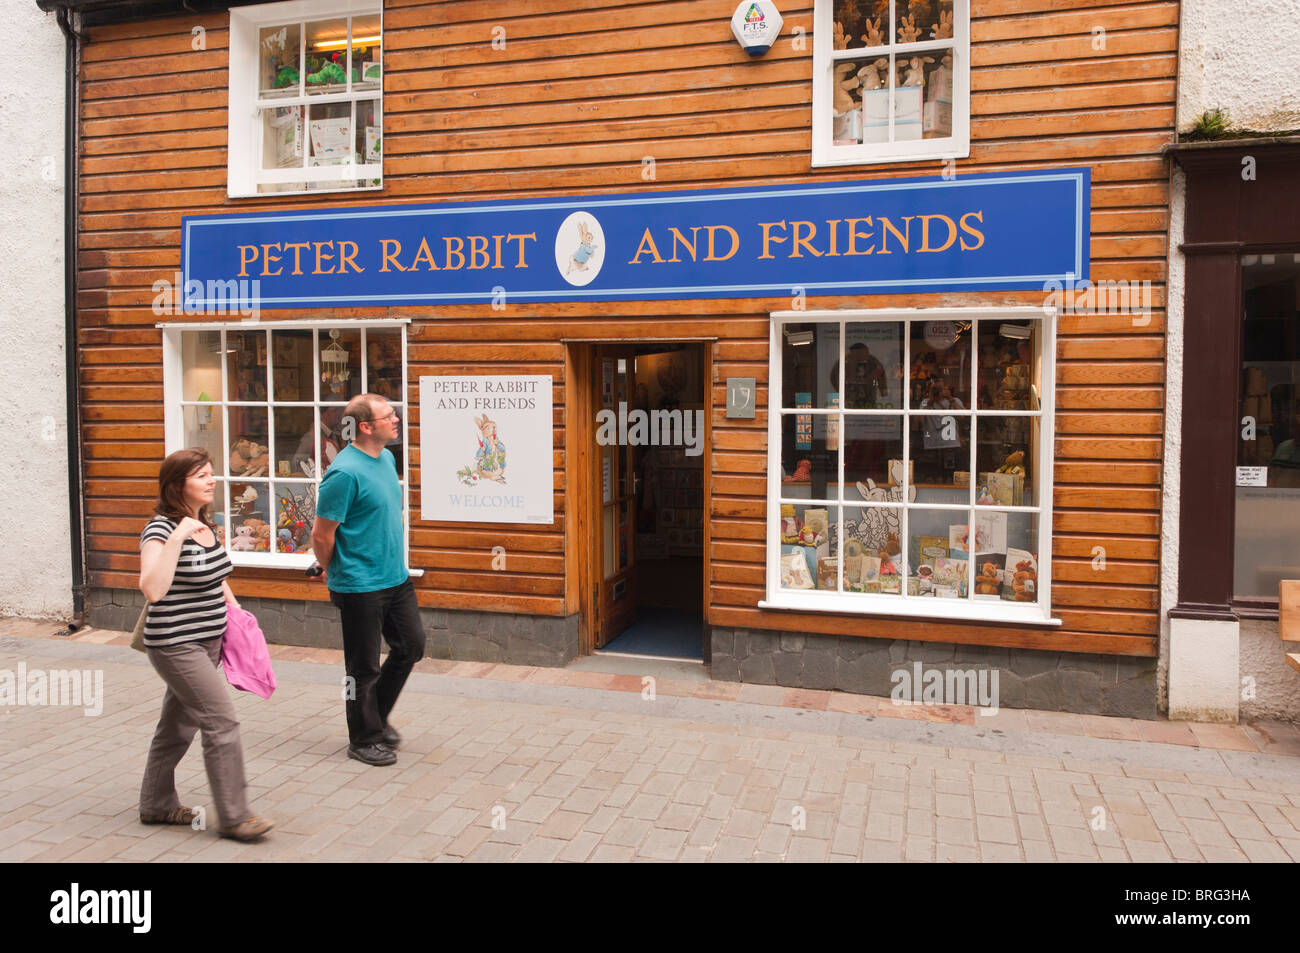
[248, 458]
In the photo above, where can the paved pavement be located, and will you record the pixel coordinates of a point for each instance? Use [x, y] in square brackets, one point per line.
[507, 763]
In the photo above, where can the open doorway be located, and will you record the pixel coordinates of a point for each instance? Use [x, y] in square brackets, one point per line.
[648, 498]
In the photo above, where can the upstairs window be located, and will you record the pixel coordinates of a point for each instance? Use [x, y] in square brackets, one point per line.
[891, 80]
[306, 98]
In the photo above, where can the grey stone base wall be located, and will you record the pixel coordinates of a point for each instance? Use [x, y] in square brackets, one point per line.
[449, 633]
[1026, 678]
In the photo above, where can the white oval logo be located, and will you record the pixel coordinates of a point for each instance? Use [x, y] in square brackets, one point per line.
[580, 248]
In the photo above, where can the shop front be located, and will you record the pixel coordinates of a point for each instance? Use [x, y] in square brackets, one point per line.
[807, 424]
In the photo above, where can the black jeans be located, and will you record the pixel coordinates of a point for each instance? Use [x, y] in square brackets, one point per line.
[395, 614]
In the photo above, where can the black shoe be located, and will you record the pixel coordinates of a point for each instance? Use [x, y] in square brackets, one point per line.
[391, 738]
[375, 755]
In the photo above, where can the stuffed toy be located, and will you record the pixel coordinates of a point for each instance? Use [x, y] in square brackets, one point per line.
[870, 75]
[943, 29]
[844, 81]
[284, 542]
[243, 541]
[839, 39]
[288, 76]
[874, 36]
[1013, 463]
[329, 72]
[987, 583]
[248, 458]
[908, 32]
[802, 473]
[915, 75]
[1025, 582]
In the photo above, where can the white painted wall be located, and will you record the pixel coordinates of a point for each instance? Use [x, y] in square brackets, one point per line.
[1245, 63]
[1243, 58]
[35, 578]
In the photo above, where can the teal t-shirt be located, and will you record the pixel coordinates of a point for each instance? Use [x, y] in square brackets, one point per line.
[362, 495]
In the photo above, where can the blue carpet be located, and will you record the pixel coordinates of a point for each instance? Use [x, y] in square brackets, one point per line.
[671, 633]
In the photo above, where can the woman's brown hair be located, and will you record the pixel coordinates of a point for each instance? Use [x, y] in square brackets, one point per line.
[173, 473]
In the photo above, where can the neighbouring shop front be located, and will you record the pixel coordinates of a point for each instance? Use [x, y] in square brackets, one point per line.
[808, 433]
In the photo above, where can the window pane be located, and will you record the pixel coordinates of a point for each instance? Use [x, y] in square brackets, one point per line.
[248, 444]
[938, 554]
[370, 132]
[860, 100]
[340, 364]
[873, 452]
[201, 360]
[295, 440]
[1008, 447]
[872, 560]
[396, 445]
[295, 512]
[246, 365]
[384, 362]
[807, 462]
[873, 368]
[806, 559]
[282, 137]
[291, 365]
[810, 355]
[330, 133]
[940, 464]
[860, 23]
[941, 364]
[204, 428]
[367, 53]
[1008, 365]
[250, 517]
[279, 51]
[1268, 513]
[1006, 557]
[327, 56]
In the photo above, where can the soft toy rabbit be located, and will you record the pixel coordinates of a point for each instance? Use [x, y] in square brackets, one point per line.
[915, 75]
[874, 36]
[844, 81]
[943, 29]
[870, 76]
[909, 32]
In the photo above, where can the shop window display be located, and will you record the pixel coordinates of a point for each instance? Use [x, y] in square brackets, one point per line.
[937, 433]
[893, 81]
[268, 406]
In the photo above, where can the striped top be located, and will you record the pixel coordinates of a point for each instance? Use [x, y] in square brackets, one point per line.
[195, 606]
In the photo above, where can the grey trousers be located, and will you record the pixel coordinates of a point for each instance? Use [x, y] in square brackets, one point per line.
[197, 699]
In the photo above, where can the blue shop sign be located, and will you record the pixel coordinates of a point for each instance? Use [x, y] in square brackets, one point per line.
[1003, 231]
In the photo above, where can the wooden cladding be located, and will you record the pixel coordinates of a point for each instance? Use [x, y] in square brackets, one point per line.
[574, 103]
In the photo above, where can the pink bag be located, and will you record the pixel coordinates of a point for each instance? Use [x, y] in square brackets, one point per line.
[244, 656]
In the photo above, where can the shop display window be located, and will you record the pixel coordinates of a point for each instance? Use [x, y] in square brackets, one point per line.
[267, 404]
[909, 475]
[1267, 518]
[314, 90]
[891, 80]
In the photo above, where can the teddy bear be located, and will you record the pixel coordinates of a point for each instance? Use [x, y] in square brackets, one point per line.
[261, 533]
[1025, 582]
[1013, 463]
[870, 75]
[987, 583]
[243, 541]
[248, 458]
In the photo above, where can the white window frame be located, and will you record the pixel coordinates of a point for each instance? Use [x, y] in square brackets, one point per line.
[901, 604]
[244, 140]
[826, 153]
[174, 415]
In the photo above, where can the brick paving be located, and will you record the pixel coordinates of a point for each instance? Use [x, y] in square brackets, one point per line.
[507, 763]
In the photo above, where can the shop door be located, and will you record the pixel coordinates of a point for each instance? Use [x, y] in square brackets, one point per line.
[614, 483]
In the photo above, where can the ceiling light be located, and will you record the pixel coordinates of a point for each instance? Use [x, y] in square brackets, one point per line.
[797, 338]
[339, 44]
[1017, 332]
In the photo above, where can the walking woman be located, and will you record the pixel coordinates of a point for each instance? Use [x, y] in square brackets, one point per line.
[183, 570]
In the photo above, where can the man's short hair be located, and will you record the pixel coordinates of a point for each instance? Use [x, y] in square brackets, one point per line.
[362, 407]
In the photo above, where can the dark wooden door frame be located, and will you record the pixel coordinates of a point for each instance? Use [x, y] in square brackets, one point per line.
[1229, 212]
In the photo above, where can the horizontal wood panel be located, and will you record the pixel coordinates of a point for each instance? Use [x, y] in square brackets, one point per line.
[570, 107]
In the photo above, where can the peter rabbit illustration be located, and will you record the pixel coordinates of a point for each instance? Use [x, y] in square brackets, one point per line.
[490, 458]
[586, 248]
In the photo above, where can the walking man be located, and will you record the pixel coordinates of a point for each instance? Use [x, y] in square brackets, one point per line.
[358, 542]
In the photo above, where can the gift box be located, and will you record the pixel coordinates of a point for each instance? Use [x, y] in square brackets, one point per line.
[939, 84]
[907, 114]
[936, 117]
[847, 129]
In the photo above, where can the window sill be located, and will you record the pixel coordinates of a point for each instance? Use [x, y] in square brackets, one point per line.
[928, 608]
[301, 561]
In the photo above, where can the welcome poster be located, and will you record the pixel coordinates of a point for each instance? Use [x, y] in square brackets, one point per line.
[486, 449]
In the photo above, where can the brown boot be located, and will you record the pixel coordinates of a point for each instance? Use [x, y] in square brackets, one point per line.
[249, 830]
[179, 815]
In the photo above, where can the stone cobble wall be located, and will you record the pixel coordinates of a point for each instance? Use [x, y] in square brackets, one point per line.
[449, 634]
[1053, 681]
